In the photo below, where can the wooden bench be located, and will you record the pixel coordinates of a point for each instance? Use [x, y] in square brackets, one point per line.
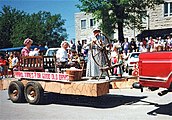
[37, 63]
[41, 63]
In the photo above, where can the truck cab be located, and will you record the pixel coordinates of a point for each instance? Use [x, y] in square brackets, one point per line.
[155, 70]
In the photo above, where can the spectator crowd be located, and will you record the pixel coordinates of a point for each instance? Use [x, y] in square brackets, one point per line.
[79, 52]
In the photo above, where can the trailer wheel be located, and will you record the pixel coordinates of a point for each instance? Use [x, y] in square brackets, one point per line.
[16, 92]
[33, 92]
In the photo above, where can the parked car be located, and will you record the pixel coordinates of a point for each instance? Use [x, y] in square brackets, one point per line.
[133, 58]
[51, 51]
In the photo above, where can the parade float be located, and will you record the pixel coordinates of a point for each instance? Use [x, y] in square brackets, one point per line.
[39, 74]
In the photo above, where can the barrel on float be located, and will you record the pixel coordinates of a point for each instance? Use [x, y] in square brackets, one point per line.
[74, 74]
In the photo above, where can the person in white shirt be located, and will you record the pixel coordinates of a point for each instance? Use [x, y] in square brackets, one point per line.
[142, 48]
[15, 62]
[62, 55]
[35, 52]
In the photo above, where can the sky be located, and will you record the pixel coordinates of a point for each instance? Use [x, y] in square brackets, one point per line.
[66, 8]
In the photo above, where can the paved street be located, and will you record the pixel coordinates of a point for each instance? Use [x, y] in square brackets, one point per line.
[120, 104]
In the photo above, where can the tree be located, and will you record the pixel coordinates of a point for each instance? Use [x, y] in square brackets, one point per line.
[42, 27]
[8, 18]
[117, 14]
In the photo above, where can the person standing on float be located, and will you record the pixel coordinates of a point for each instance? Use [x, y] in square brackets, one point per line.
[25, 51]
[92, 69]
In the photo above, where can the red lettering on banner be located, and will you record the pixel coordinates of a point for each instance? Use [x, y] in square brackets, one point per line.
[41, 75]
[46, 76]
[57, 76]
[52, 76]
[63, 76]
[34, 74]
[24, 74]
[60, 77]
[18, 74]
[31, 75]
[38, 75]
[27, 75]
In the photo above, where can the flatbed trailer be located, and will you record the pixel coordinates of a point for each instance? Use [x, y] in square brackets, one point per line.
[33, 79]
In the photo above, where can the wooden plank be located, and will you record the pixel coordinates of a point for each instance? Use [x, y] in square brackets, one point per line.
[5, 83]
[1, 85]
[85, 88]
[124, 83]
[77, 88]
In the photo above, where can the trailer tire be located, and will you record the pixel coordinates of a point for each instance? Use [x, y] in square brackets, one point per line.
[34, 93]
[16, 92]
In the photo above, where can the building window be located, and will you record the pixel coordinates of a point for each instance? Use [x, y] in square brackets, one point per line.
[167, 9]
[92, 22]
[83, 24]
[171, 8]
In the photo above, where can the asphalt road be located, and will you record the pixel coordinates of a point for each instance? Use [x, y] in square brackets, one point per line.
[119, 104]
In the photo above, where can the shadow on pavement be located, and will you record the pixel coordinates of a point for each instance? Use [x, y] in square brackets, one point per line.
[162, 109]
[106, 101]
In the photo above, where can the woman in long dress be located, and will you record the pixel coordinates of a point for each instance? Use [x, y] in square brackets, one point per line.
[92, 69]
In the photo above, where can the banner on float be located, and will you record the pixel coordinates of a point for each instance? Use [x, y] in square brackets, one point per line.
[41, 75]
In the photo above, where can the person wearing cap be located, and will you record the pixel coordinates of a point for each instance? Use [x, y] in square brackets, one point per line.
[92, 69]
[25, 51]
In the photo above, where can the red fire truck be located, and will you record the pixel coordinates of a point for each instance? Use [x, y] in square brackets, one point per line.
[155, 71]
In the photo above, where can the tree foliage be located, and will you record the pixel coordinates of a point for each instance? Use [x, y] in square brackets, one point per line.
[117, 14]
[8, 18]
[42, 27]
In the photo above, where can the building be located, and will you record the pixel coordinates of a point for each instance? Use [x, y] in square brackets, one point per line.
[84, 24]
[158, 23]
[161, 17]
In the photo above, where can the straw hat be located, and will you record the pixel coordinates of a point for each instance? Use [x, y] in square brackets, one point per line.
[96, 29]
[27, 41]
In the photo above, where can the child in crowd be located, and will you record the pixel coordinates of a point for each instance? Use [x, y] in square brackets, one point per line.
[2, 64]
[15, 62]
[10, 63]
